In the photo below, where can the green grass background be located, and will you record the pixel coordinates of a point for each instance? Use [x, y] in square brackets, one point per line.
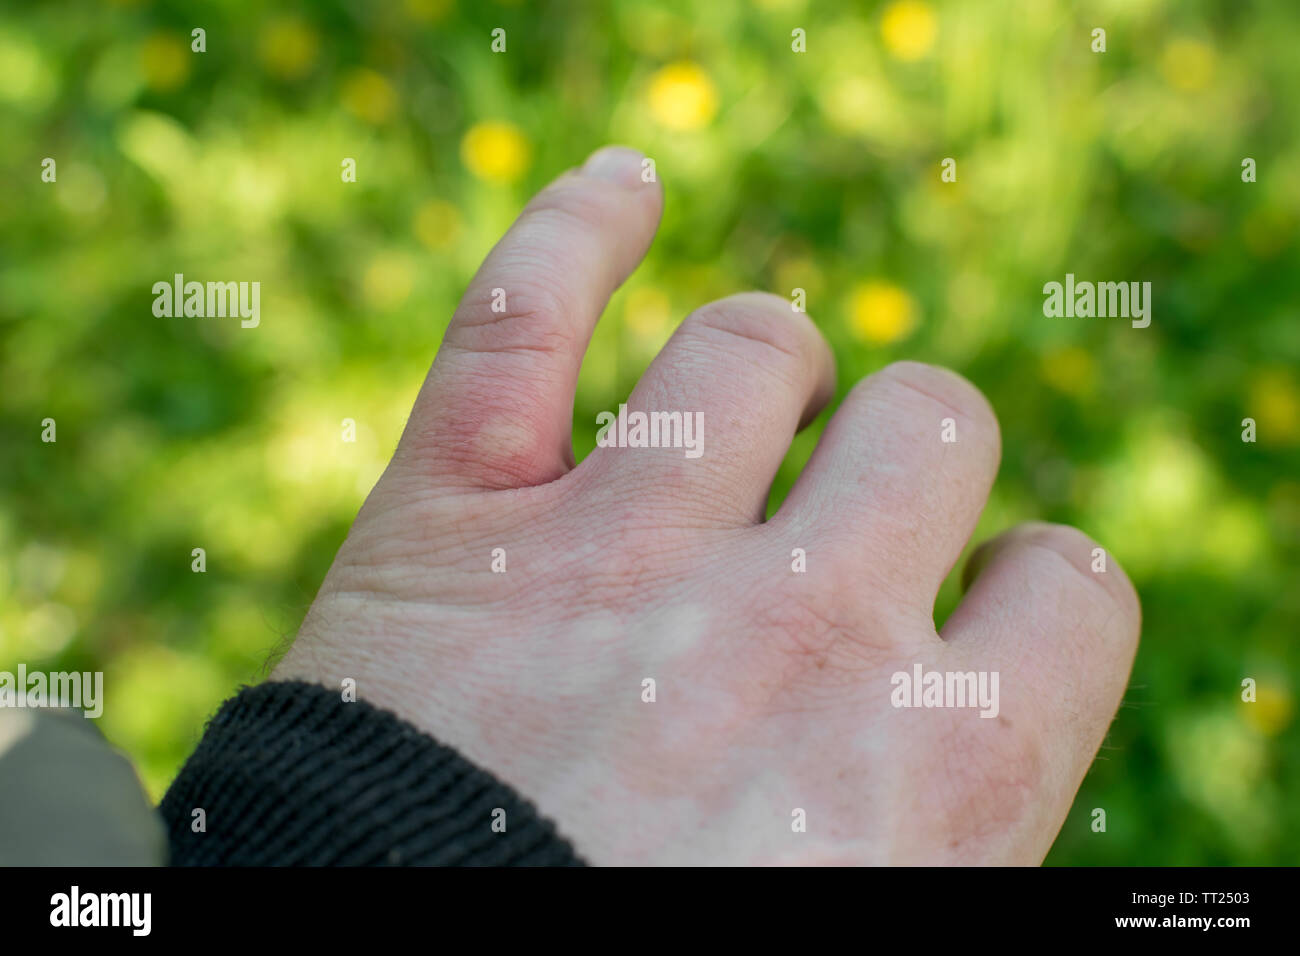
[817, 170]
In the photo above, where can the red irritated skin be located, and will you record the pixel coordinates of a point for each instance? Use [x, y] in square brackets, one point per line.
[666, 675]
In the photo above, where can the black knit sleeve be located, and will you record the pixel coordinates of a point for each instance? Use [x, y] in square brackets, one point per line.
[290, 774]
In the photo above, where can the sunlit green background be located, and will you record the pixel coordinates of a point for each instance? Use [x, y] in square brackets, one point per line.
[782, 170]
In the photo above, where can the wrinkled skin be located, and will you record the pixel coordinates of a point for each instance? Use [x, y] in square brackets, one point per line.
[772, 687]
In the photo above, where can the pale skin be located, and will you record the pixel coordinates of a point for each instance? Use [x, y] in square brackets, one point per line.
[772, 687]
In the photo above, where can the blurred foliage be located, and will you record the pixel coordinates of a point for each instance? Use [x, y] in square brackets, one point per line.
[817, 170]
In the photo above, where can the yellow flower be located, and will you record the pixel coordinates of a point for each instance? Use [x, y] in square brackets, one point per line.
[852, 104]
[908, 28]
[496, 152]
[1270, 712]
[880, 313]
[682, 96]
[437, 224]
[165, 61]
[387, 281]
[1275, 406]
[368, 96]
[1188, 64]
[648, 311]
[1069, 370]
[288, 47]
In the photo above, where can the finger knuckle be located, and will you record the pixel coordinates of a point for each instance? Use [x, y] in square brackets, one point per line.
[949, 392]
[755, 323]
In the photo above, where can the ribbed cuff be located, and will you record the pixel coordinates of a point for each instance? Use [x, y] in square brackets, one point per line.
[287, 774]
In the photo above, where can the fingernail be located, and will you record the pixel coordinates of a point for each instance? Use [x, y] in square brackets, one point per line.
[615, 164]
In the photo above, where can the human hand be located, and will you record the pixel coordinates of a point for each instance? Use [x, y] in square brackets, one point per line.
[775, 688]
